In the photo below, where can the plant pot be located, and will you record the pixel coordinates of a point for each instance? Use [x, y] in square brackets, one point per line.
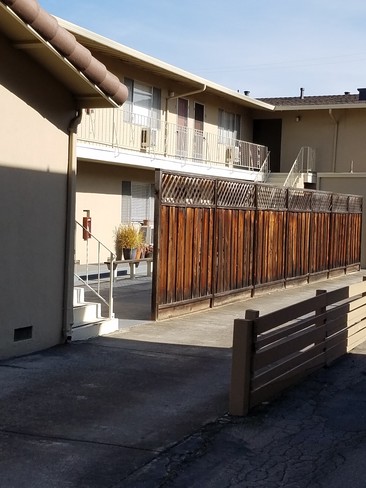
[129, 253]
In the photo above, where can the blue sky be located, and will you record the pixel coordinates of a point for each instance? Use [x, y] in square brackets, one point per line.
[269, 47]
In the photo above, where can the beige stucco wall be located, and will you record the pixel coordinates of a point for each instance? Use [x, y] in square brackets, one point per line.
[338, 138]
[99, 189]
[353, 184]
[168, 85]
[35, 112]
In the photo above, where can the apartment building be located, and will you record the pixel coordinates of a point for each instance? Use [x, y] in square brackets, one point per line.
[172, 120]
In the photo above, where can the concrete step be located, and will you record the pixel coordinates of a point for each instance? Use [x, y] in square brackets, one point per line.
[87, 312]
[94, 329]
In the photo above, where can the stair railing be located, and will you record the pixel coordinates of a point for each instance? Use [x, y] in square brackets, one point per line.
[112, 258]
[304, 163]
[263, 174]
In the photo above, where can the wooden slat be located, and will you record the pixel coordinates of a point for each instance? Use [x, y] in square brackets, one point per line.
[301, 358]
[286, 314]
[171, 255]
[289, 329]
[286, 380]
[288, 346]
[163, 253]
[181, 231]
[346, 292]
[188, 239]
[196, 251]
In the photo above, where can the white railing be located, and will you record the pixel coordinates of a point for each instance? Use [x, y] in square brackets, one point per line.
[263, 173]
[97, 282]
[120, 129]
[304, 163]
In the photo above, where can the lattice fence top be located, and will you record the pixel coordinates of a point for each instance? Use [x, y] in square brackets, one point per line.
[340, 203]
[299, 199]
[187, 190]
[235, 194]
[271, 197]
[354, 204]
[321, 202]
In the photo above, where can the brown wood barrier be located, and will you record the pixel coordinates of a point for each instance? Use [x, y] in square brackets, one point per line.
[217, 240]
[274, 351]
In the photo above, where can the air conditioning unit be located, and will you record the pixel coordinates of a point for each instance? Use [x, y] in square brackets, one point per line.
[148, 138]
[232, 155]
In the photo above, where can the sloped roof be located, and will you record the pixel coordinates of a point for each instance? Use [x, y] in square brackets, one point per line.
[181, 79]
[323, 101]
[32, 29]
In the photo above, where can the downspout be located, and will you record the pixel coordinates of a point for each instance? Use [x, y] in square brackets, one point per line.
[173, 97]
[68, 312]
[335, 140]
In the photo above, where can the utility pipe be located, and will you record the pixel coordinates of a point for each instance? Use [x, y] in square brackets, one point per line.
[68, 312]
[335, 139]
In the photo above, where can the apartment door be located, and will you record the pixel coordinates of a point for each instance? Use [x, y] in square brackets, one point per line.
[182, 129]
[198, 141]
[268, 132]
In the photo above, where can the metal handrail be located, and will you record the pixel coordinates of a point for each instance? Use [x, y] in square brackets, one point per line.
[263, 173]
[304, 163]
[120, 129]
[112, 258]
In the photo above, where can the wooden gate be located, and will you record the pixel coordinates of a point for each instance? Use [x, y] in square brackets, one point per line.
[217, 240]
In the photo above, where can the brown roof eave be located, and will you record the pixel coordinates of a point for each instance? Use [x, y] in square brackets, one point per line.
[338, 106]
[31, 28]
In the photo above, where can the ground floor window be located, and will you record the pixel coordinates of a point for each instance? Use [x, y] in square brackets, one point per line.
[137, 202]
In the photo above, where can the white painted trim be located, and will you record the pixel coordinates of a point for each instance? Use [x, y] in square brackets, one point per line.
[148, 161]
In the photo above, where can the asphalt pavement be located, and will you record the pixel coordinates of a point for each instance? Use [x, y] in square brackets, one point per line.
[147, 407]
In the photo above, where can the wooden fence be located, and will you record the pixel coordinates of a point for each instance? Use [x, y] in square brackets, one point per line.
[217, 240]
[275, 351]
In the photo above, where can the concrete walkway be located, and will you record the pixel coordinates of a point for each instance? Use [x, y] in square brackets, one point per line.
[146, 407]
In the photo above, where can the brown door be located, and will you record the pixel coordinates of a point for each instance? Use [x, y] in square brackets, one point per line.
[182, 129]
[267, 132]
[199, 111]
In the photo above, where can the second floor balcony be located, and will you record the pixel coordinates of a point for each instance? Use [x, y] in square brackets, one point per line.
[122, 130]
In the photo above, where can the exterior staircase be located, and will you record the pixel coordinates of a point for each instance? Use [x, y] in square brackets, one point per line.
[88, 321]
[278, 179]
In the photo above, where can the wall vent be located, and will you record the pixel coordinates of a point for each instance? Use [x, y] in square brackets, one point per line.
[23, 333]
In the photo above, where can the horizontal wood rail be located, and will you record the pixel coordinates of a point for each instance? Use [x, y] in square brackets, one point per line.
[274, 351]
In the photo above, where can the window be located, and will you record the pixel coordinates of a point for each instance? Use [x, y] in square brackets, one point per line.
[137, 202]
[143, 105]
[229, 127]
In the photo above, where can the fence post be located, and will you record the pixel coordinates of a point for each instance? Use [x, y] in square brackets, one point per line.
[241, 364]
[320, 311]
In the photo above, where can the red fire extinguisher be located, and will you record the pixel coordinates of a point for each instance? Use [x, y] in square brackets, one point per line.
[87, 226]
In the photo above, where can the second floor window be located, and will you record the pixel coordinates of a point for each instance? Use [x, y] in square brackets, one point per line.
[228, 127]
[143, 106]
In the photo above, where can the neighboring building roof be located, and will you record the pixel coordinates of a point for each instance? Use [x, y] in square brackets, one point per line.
[346, 100]
[182, 79]
[31, 28]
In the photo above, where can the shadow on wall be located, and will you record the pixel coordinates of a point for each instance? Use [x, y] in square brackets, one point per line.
[32, 258]
[40, 88]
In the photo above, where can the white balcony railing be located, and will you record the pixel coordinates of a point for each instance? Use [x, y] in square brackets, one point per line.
[120, 129]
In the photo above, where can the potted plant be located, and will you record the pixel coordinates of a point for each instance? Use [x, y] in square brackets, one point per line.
[128, 238]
